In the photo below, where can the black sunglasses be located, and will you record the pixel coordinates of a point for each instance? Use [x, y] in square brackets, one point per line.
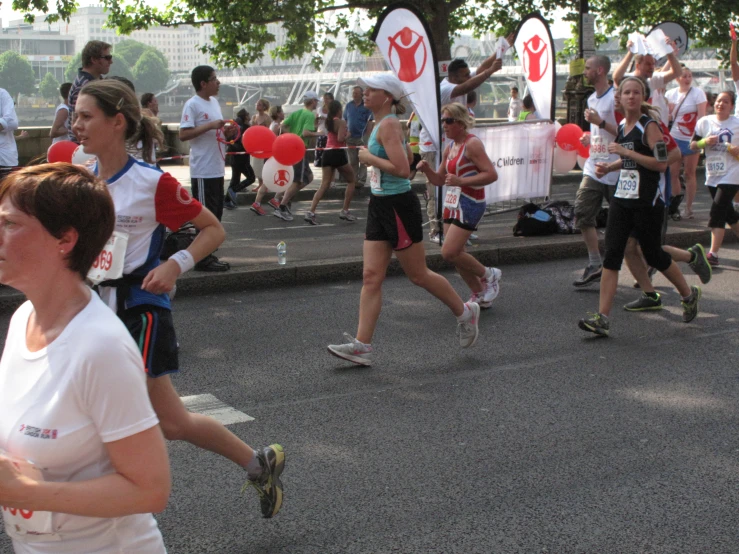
[109, 57]
[448, 120]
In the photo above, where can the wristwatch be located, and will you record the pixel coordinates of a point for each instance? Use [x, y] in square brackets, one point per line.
[602, 124]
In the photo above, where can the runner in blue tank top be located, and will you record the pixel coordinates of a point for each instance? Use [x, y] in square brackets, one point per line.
[394, 224]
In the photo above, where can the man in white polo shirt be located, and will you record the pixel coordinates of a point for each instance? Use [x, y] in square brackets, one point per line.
[200, 123]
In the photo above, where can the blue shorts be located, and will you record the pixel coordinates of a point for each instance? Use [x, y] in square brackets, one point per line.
[684, 146]
[467, 215]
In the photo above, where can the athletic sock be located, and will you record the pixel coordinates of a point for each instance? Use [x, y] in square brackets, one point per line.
[714, 254]
[465, 315]
[688, 298]
[253, 468]
[488, 273]
[595, 259]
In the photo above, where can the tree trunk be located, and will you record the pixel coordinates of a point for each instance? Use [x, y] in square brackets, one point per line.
[436, 14]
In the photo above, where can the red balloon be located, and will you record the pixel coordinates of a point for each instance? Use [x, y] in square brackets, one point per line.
[257, 141]
[61, 151]
[582, 150]
[568, 137]
[288, 149]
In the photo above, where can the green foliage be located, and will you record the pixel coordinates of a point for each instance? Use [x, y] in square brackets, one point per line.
[49, 87]
[16, 74]
[70, 74]
[241, 34]
[150, 74]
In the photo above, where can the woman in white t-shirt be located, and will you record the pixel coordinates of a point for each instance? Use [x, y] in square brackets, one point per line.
[719, 135]
[687, 105]
[82, 459]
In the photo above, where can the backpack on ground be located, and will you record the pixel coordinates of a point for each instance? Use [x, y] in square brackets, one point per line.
[178, 240]
[533, 221]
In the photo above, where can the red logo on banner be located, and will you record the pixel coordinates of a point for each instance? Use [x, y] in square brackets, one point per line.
[407, 54]
[534, 50]
[282, 178]
[687, 123]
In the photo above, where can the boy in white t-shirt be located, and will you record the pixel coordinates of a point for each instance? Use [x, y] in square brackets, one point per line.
[201, 121]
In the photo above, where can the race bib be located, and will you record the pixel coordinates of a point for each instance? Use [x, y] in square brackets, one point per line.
[451, 200]
[628, 185]
[109, 263]
[598, 147]
[716, 164]
[26, 525]
[375, 178]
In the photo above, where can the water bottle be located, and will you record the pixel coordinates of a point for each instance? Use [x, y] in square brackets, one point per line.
[282, 253]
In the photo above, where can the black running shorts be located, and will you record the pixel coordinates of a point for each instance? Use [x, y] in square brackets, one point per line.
[152, 329]
[396, 219]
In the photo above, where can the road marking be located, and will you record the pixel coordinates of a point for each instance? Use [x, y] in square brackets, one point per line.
[303, 227]
[209, 405]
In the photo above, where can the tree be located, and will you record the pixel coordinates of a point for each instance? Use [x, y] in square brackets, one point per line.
[49, 87]
[241, 33]
[150, 73]
[16, 74]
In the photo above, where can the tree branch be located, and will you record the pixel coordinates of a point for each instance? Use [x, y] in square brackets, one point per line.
[265, 22]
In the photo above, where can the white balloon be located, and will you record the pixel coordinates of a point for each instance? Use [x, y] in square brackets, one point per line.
[80, 157]
[581, 161]
[277, 177]
[564, 161]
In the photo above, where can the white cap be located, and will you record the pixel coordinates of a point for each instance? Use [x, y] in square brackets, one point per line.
[384, 81]
[310, 95]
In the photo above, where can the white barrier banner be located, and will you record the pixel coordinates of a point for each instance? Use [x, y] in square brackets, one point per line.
[522, 155]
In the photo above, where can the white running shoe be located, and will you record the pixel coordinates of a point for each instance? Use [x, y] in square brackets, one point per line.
[492, 285]
[477, 297]
[468, 330]
[354, 351]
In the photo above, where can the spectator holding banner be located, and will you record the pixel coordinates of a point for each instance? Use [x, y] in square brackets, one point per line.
[601, 114]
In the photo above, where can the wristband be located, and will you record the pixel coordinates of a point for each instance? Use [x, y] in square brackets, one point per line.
[183, 259]
[701, 143]
[602, 124]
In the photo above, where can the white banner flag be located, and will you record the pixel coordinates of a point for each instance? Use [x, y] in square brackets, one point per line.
[536, 51]
[402, 37]
[522, 155]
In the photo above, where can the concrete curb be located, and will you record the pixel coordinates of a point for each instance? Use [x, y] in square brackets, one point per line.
[534, 249]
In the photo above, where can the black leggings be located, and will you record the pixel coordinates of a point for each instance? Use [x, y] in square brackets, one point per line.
[646, 224]
[722, 209]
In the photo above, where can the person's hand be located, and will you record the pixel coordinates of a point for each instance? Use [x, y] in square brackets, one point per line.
[585, 139]
[422, 166]
[217, 124]
[22, 135]
[712, 140]
[510, 38]
[615, 148]
[364, 156]
[161, 279]
[629, 44]
[11, 480]
[230, 130]
[452, 180]
[591, 116]
[733, 150]
[497, 65]
[601, 169]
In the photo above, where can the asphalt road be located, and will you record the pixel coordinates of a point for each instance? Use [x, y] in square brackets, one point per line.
[540, 439]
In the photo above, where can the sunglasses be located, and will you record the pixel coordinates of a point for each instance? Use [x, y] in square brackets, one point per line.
[109, 57]
[448, 120]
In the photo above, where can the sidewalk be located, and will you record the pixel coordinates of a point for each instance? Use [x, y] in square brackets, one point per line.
[332, 251]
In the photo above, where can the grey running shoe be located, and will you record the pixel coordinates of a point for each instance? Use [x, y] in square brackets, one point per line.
[354, 351]
[700, 263]
[595, 323]
[283, 214]
[591, 274]
[690, 306]
[268, 485]
[310, 217]
[491, 287]
[232, 196]
[347, 215]
[468, 330]
[644, 303]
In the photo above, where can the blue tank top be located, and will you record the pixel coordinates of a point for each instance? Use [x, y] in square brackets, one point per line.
[390, 183]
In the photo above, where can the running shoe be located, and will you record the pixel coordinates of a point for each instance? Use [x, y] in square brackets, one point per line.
[274, 203]
[712, 259]
[690, 306]
[468, 330]
[591, 275]
[595, 323]
[473, 236]
[645, 302]
[353, 351]
[310, 217]
[650, 273]
[435, 239]
[229, 205]
[700, 264]
[491, 286]
[232, 196]
[257, 209]
[268, 484]
[347, 215]
[477, 298]
[283, 214]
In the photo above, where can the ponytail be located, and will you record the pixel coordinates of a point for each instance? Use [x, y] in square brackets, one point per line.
[149, 133]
